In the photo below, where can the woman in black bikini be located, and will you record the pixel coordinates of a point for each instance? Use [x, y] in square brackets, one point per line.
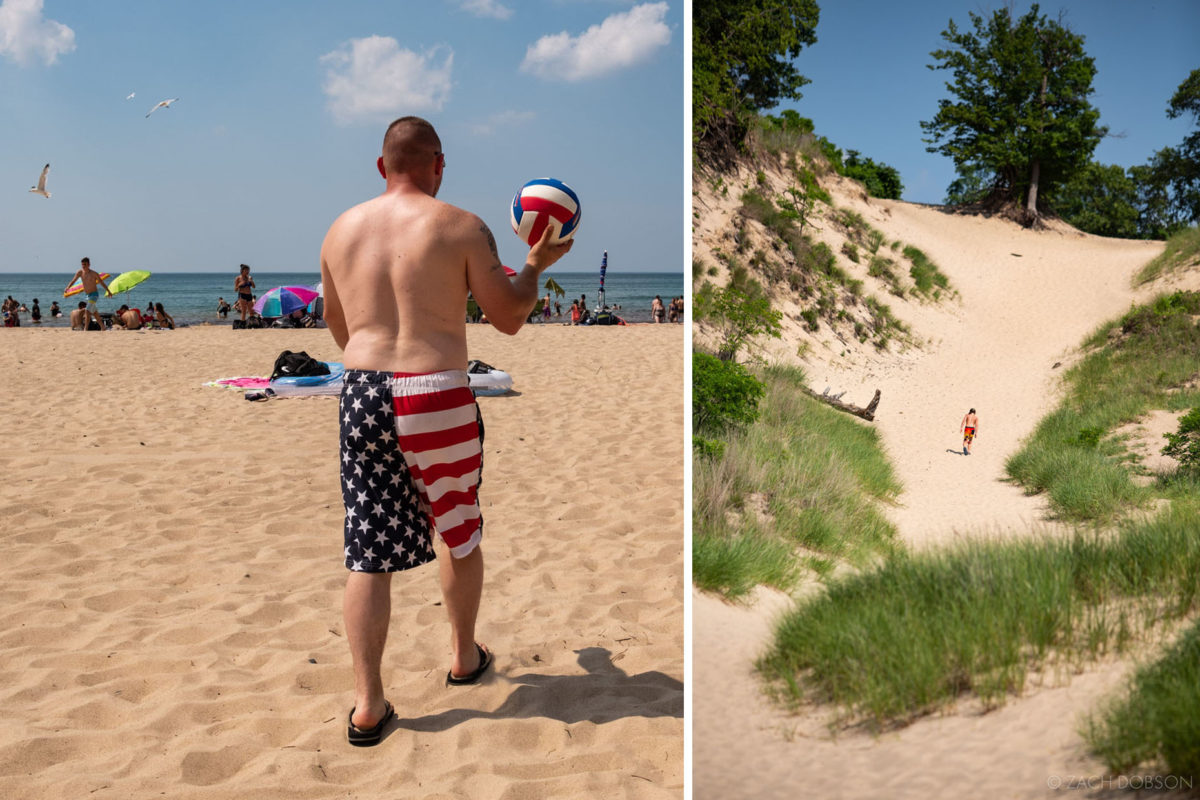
[242, 284]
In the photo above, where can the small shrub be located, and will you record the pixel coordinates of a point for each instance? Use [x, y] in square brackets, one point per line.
[1089, 438]
[1184, 445]
[711, 449]
[724, 394]
[850, 251]
[810, 319]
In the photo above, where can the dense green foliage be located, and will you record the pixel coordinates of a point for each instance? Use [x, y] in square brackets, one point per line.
[1020, 111]
[739, 313]
[1177, 169]
[1101, 199]
[724, 395]
[1158, 720]
[880, 179]
[1184, 444]
[742, 54]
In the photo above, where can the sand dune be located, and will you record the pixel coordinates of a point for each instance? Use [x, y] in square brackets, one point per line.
[171, 616]
[1026, 301]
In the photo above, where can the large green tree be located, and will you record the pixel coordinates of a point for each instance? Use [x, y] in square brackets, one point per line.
[1019, 108]
[742, 52]
[1175, 171]
[1101, 199]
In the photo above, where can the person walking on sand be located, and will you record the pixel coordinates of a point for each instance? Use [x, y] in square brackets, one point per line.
[657, 310]
[243, 284]
[89, 279]
[411, 435]
[969, 429]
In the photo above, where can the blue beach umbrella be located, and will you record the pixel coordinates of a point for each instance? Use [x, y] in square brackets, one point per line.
[283, 300]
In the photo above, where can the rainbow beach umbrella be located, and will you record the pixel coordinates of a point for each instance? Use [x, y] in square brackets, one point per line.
[283, 300]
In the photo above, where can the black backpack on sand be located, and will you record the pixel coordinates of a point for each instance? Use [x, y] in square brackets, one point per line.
[290, 365]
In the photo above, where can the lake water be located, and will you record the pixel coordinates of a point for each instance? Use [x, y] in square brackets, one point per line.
[191, 297]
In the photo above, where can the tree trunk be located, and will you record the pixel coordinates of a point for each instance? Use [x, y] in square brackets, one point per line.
[1035, 172]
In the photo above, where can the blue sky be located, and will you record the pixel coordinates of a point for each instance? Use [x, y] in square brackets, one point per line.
[871, 89]
[282, 110]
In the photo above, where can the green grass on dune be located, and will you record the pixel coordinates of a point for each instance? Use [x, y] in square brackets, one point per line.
[1138, 363]
[1156, 721]
[1182, 251]
[917, 632]
[797, 488]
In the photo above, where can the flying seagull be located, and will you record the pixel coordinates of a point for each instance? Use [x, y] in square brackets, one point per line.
[163, 104]
[130, 96]
[41, 184]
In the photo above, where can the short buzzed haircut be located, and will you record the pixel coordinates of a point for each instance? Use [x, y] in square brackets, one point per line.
[85, 260]
[409, 142]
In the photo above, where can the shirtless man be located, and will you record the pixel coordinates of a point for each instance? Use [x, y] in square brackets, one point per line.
[396, 272]
[131, 318]
[79, 317]
[89, 279]
[970, 429]
[243, 284]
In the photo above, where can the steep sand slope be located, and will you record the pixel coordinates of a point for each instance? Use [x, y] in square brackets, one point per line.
[1026, 301]
[1027, 298]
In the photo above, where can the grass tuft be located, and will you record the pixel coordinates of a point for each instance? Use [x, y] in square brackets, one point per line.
[1157, 720]
[914, 634]
[801, 483]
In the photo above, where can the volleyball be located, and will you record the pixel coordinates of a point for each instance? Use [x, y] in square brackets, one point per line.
[545, 202]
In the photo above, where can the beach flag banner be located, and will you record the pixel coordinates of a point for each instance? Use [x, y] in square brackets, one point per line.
[603, 269]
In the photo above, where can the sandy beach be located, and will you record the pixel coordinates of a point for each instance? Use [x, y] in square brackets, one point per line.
[172, 578]
[1026, 300]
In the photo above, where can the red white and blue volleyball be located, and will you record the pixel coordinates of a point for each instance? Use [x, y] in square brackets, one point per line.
[545, 202]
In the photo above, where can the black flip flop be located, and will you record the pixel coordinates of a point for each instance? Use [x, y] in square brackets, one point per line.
[369, 737]
[485, 661]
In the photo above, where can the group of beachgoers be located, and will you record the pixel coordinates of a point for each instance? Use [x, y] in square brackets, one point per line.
[579, 314]
[13, 309]
[668, 313]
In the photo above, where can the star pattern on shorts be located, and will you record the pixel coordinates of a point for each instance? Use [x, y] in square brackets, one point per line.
[384, 529]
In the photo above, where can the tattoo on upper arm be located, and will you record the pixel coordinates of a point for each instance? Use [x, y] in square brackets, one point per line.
[491, 240]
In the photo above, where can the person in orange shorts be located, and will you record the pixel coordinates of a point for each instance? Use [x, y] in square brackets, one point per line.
[970, 429]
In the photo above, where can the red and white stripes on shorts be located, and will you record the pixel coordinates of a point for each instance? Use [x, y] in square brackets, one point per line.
[440, 432]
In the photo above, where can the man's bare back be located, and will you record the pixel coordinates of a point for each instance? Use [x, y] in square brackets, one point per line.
[397, 269]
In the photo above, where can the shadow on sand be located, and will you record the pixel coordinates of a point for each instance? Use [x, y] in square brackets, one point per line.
[605, 693]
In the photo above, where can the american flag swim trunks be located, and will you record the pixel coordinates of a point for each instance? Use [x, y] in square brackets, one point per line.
[411, 462]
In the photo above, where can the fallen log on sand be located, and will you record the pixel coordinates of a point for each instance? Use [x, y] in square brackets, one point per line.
[867, 413]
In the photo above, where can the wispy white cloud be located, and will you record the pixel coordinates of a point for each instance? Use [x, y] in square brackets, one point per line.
[621, 41]
[486, 8]
[504, 119]
[374, 77]
[26, 35]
